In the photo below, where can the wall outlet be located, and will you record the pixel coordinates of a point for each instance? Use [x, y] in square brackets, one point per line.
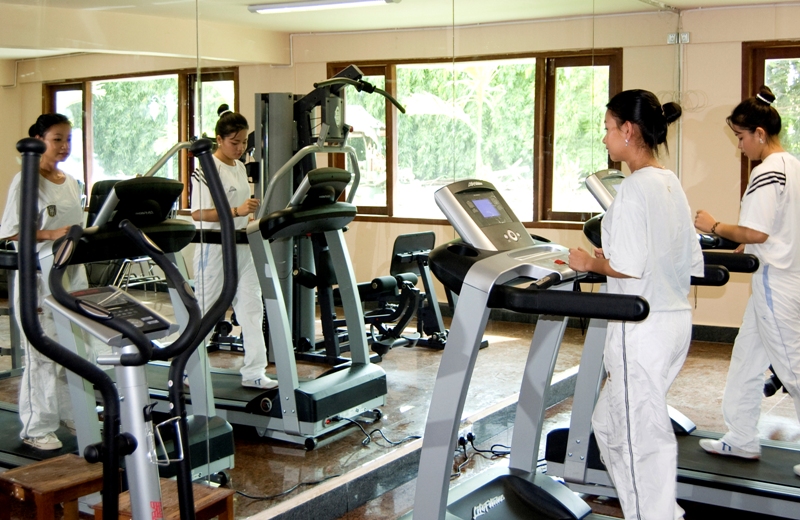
[684, 37]
[672, 38]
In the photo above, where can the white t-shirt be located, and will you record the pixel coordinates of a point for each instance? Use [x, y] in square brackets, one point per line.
[771, 205]
[234, 182]
[648, 234]
[59, 206]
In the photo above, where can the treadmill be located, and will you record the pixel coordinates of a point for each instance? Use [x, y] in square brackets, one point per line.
[493, 256]
[765, 487]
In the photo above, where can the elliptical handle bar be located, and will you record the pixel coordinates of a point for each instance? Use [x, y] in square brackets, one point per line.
[361, 85]
[31, 150]
[92, 310]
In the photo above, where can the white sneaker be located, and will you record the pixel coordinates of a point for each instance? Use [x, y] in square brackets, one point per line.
[45, 442]
[264, 383]
[797, 470]
[723, 448]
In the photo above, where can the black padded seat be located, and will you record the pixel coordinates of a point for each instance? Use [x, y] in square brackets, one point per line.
[292, 222]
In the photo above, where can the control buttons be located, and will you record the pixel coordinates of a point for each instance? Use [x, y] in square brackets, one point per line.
[559, 261]
[511, 235]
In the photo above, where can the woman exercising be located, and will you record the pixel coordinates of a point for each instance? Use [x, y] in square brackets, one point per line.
[44, 400]
[768, 225]
[231, 135]
[650, 249]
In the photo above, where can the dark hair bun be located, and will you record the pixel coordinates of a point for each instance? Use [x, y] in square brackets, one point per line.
[222, 109]
[44, 122]
[672, 111]
[765, 95]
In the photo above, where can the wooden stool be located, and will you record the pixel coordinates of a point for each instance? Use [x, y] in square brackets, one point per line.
[209, 502]
[50, 482]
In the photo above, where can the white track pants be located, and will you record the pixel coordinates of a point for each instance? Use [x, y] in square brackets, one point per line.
[44, 398]
[247, 303]
[769, 334]
[631, 422]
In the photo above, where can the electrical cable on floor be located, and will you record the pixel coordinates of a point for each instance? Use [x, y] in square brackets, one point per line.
[368, 436]
[467, 458]
[493, 449]
[286, 492]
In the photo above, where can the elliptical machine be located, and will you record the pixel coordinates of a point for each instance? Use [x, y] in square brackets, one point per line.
[103, 311]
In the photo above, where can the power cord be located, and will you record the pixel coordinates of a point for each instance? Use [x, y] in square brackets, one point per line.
[462, 445]
[286, 492]
[368, 436]
[505, 451]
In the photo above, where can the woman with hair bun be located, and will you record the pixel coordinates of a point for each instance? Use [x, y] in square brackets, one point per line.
[44, 400]
[650, 249]
[767, 228]
[231, 136]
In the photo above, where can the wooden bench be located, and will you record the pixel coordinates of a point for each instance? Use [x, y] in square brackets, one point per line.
[209, 502]
[53, 481]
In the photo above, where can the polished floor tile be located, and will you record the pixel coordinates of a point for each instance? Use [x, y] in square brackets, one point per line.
[269, 473]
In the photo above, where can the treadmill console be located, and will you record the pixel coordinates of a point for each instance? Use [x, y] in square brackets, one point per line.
[481, 217]
[603, 185]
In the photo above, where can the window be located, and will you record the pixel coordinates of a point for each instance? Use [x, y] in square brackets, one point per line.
[531, 125]
[777, 65]
[122, 126]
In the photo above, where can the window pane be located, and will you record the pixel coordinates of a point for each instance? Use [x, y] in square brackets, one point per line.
[783, 77]
[366, 113]
[578, 150]
[70, 103]
[134, 122]
[458, 126]
[213, 94]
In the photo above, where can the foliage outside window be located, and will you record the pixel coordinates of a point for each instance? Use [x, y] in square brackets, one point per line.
[500, 120]
[126, 124]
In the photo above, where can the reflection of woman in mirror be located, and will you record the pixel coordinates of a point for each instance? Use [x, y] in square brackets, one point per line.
[768, 225]
[231, 135]
[650, 249]
[44, 400]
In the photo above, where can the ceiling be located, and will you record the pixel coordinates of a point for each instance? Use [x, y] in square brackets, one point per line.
[403, 15]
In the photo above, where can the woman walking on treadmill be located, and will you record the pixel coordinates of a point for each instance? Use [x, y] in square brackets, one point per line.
[768, 225]
[650, 248]
[231, 135]
[44, 399]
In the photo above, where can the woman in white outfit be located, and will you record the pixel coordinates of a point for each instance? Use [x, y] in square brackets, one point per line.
[768, 228]
[231, 135]
[650, 249]
[44, 400]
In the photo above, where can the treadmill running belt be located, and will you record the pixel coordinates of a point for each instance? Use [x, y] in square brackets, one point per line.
[774, 467]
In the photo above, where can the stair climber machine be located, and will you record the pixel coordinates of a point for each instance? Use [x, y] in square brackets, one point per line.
[131, 329]
[762, 487]
[495, 255]
[285, 148]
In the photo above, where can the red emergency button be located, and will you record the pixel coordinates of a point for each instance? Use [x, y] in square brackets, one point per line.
[559, 261]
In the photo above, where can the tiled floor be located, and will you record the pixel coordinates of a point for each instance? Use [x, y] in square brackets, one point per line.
[268, 468]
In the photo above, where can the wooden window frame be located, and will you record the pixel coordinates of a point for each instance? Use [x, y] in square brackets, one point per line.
[543, 121]
[186, 82]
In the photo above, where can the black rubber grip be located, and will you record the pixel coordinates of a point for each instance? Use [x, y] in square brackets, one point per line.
[569, 303]
[733, 262]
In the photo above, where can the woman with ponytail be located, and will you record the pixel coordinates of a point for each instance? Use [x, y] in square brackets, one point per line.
[650, 249]
[231, 136]
[767, 228]
[44, 400]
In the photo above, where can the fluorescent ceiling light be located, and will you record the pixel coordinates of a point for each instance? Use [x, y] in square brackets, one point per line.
[314, 5]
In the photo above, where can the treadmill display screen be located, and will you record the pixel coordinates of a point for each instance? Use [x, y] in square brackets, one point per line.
[611, 183]
[487, 209]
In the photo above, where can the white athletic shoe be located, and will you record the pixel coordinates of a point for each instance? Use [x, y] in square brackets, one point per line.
[797, 470]
[46, 442]
[264, 383]
[723, 448]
